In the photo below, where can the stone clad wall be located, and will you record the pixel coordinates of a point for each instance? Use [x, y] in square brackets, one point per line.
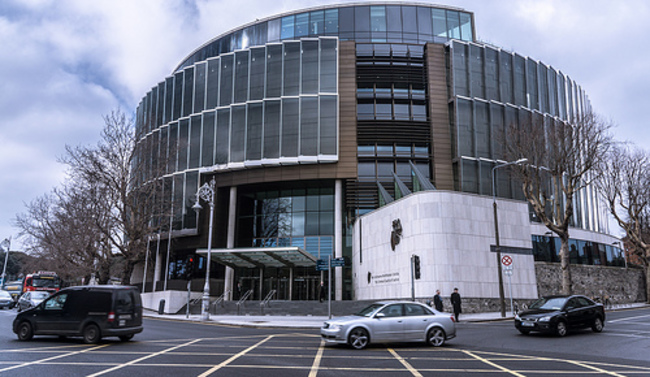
[620, 284]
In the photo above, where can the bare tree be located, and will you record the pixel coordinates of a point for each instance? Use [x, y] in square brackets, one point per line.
[562, 160]
[625, 187]
[120, 169]
[56, 230]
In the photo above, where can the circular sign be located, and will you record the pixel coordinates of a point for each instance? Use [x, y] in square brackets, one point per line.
[506, 260]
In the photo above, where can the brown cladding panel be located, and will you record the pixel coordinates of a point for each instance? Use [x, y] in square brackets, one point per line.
[443, 175]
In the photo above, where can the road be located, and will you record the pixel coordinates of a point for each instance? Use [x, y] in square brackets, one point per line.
[173, 348]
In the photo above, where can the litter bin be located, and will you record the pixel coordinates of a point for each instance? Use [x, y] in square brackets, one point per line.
[161, 307]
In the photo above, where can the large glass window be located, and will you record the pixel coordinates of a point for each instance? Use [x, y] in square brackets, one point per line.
[254, 132]
[309, 70]
[241, 76]
[257, 74]
[274, 71]
[309, 126]
[207, 139]
[290, 123]
[226, 78]
[199, 88]
[271, 129]
[212, 92]
[291, 69]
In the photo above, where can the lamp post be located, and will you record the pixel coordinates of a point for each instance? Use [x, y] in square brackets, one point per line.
[206, 192]
[502, 302]
[6, 244]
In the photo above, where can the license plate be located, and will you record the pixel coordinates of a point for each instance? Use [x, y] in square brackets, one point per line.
[122, 322]
[527, 324]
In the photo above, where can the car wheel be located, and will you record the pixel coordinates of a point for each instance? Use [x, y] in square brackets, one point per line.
[91, 334]
[561, 328]
[25, 331]
[126, 338]
[524, 331]
[598, 325]
[436, 337]
[358, 338]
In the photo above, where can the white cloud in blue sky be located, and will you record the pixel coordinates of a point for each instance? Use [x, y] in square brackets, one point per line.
[66, 63]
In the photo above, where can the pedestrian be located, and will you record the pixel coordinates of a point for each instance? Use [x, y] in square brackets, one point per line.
[455, 303]
[437, 301]
[322, 294]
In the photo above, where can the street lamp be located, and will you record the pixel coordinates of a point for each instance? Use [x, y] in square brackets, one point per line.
[6, 244]
[502, 302]
[206, 192]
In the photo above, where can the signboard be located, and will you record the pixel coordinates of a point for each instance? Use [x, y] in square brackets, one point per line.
[321, 265]
[338, 262]
[506, 260]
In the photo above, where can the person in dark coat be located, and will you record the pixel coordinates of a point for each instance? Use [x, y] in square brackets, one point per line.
[437, 301]
[455, 303]
[323, 294]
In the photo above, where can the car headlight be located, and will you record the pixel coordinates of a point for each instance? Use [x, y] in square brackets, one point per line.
[334, 327]
[545, 319]
[517, 317]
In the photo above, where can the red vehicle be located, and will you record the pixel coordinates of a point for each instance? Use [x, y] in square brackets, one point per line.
[42, 281]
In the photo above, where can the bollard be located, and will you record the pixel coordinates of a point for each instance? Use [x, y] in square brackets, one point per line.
[161, 307]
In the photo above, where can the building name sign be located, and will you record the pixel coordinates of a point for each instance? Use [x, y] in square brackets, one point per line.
[386, 278]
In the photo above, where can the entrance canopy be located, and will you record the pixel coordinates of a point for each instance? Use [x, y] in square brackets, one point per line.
[262, 257]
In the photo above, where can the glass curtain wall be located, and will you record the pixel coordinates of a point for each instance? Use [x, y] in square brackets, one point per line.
[234, 112]
[492, 88]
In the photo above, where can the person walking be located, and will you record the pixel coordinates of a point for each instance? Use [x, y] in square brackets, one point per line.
[437, 301]
[323, 295]
[456, 303]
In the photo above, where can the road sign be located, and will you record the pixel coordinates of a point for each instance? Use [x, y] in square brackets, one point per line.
[338, 262]
[321, 265]
[506, 260]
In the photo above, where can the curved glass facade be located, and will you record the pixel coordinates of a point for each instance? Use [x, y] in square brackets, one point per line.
[395, 23]
[310, 118]
[492, 88]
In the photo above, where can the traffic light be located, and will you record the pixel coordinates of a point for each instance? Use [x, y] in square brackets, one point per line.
[189, 268]
[416, 266]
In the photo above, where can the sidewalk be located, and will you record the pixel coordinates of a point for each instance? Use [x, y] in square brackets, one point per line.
[315, 322]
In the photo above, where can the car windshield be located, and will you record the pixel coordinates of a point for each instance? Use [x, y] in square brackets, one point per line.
[39, 295]
[555, 303]
[367, 311]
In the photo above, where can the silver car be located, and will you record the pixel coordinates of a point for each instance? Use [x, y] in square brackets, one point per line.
[31, 299]
[390, 321]
[6, 301]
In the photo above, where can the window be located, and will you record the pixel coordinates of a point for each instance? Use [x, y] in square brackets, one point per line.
[57, 302]
[392, 311]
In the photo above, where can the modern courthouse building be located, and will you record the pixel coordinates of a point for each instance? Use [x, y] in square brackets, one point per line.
[364, 131]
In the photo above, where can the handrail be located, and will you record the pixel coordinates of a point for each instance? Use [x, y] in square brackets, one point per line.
[266, 300]
[220, 299]
[243, 299]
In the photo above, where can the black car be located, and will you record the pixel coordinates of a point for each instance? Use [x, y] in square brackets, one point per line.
[559, 314]
[92, 312]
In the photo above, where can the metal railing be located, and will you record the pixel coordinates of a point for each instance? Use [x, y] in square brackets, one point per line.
[266, 300]
[219, 300]
[243, 299]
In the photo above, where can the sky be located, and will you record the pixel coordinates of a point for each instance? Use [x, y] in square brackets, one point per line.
[66, 63]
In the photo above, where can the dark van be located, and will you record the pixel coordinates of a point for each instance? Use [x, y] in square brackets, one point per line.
[93, 312]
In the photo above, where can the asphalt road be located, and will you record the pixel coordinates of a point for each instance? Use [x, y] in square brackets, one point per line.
[174, 348]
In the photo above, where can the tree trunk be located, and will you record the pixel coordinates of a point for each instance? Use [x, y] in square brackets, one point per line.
[647, 283]
[127, 272]
[564, 259]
